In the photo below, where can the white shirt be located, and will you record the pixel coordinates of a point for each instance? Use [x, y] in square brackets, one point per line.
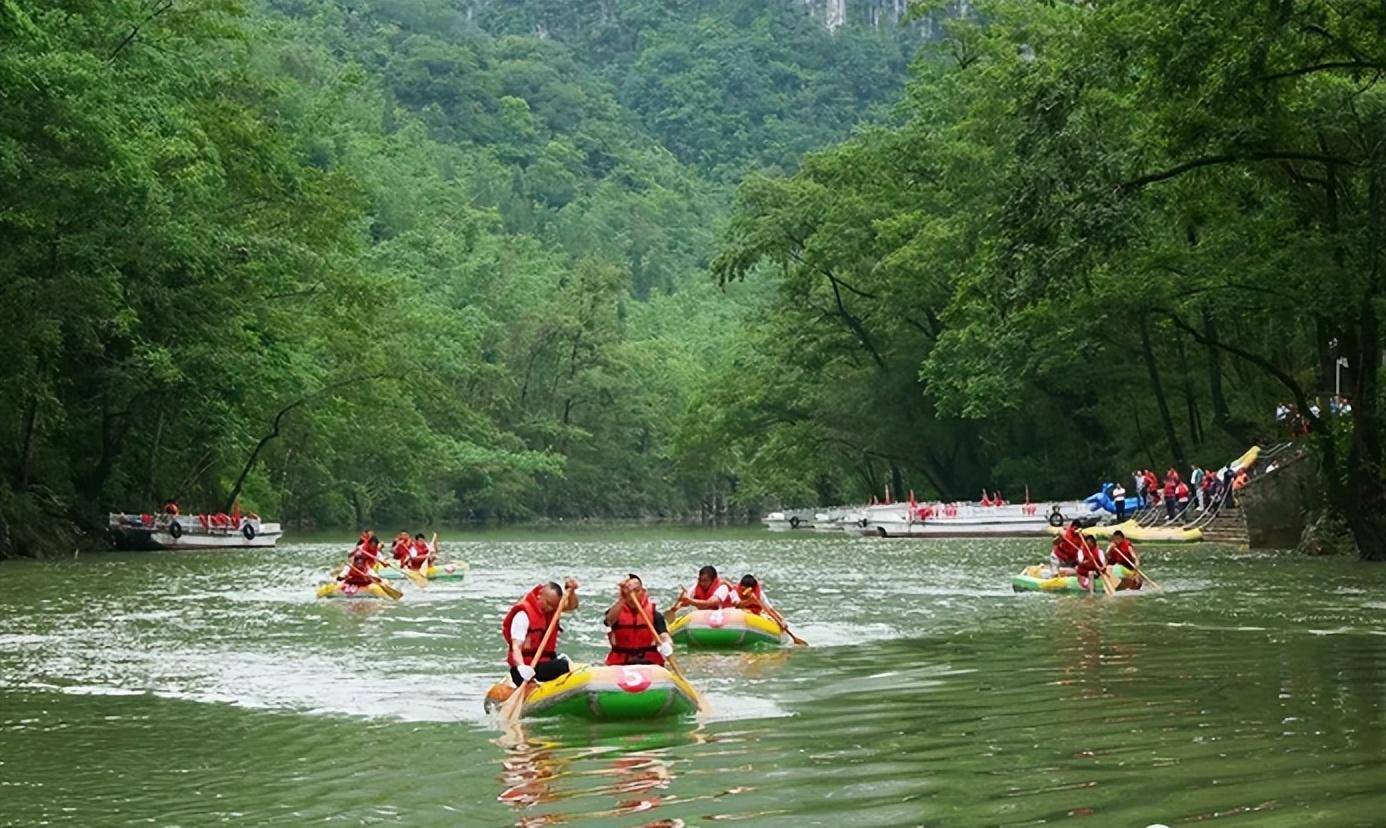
[519, 627]
[1118, 493]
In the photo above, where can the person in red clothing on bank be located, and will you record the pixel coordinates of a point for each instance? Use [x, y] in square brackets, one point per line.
[632, 642]
[523, 629]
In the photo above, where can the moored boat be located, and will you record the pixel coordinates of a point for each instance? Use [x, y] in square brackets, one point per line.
[960, 520]
[725, 629]
[337, 589]
[1037, 579]
[1149, 534]
[163, 531]
[435, 572]
[604, 693]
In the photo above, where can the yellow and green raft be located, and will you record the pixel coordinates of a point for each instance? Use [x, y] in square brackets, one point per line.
[1032, 579]
[725, 629]
[433, 572]
[604, 692]
[337, 589]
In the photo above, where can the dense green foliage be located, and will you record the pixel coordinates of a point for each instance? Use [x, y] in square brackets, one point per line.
[1101, 235]
[382, 261]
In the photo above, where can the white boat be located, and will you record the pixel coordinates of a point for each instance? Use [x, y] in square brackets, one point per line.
[961, 520]
[789, 519]
[164, 531]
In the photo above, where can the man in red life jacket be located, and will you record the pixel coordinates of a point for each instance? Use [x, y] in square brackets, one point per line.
[170, 507]
[358, 568]
[418, 553]
[1181, 496]
[711, 592]
[753, 598]
[630, 637]
[1063, 558]
[1090, 562]
[523, 629]
[1121, 553]
[399, 547]
[371, 544]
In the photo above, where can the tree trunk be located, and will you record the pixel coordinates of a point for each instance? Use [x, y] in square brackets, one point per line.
[1171, 436]
[1366, 514]
[1190, 400]
[26, 446]
[1238, 430]
[151, 471]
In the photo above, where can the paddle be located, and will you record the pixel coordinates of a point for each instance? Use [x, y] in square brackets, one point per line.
[510, 711]
[673, 610]
[704, 708]
[784, 625]
[412, 574]
[1145, 577]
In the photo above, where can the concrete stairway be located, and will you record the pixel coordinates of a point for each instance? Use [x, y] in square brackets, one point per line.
[1228, 528]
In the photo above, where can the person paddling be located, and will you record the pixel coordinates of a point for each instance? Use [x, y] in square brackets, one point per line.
[399, 548]
[1090, 563]
[632, 642]
[711, 592]
[358, 569]
[523, 629]
[1121, 553]
[1063, 557]
[752, 596]
[418, 553]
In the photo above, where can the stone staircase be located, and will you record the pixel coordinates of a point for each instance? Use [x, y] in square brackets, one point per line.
[1227, 528]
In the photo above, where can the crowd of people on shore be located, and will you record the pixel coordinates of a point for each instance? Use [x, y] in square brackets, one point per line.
[1203, 488]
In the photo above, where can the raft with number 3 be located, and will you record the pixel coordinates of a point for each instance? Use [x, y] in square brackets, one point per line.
[604, 693]
[725, 629]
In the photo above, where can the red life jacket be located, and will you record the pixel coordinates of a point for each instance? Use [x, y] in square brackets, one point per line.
[1090, 560]
[359, 570]
[400, 550]
[1066, 546]
[631, 640]
[1121, 553]
[752, 600]
[700, 594]
[538, 625]
[1181, 492]
[417, 554]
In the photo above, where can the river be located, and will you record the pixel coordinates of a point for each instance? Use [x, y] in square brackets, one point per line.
[204, 688]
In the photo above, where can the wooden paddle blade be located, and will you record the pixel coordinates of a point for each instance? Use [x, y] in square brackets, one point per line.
[510, 711]
[417, 577]
[390, 591]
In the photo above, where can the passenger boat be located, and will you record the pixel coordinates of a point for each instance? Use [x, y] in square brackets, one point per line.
[604, 693]
[435, 572]
[1036, 579]
[960, 520]
[147, 531]
[725, 629]
[337, 589]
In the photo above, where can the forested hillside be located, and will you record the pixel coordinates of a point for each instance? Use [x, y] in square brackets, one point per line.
[372, 262]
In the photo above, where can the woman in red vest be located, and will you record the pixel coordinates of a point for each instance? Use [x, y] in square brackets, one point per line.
[1067, 546]
[630, 637]
[752, 596]
[417, 554]
[523, 630]
[1121, 553]
[399, 549]
[711, 592]
[358, 568]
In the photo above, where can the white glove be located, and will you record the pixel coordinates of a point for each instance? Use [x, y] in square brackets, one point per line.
[666, 649]
[526, 672]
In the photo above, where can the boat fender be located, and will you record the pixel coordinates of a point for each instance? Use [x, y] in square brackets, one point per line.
[880, 530]
[175, 530]
[1056, 518]
[794, 522]
[248, 531]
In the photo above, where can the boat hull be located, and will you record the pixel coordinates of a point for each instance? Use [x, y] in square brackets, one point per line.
[601, 692]
[440, 572]
[1032, 579]
[131, 532]
[725, 629]
[350, 592]
[1143, 534]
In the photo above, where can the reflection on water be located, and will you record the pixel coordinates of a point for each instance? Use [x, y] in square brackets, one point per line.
[201, 688]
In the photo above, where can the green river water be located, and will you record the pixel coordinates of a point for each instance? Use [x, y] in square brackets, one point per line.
[211, 687]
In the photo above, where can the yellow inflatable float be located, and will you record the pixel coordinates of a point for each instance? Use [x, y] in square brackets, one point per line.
[725, 629]
[604, 693]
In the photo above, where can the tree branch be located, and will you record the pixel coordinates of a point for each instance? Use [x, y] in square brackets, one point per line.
[1134, 184]
[1329, 66]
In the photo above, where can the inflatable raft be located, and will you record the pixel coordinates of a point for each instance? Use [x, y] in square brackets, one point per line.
[725, 629]
[337, 589]
[1034, 579]
[1148, 534]
[604, 693]
[438, 572]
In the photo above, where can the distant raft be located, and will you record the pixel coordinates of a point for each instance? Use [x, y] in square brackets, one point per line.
[604, 693]
[725, 629]
[436, 572]
[1147, 534]
[1033, 579]
[337, 589]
